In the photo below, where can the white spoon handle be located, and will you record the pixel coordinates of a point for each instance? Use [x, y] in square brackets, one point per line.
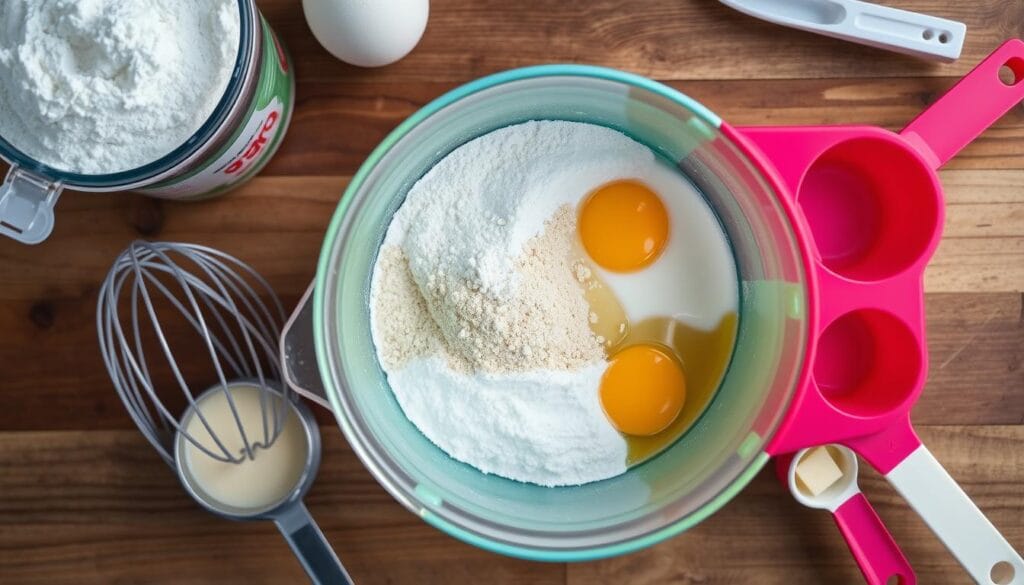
[897, 30]
[953, 517]
[907, 32]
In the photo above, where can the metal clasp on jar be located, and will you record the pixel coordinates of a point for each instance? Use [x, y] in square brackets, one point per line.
[26, 205]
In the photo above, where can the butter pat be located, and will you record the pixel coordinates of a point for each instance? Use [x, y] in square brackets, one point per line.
[818, 471]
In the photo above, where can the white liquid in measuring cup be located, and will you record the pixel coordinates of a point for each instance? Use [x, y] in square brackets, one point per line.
[254, 483]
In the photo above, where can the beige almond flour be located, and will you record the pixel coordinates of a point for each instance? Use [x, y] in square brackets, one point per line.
[545, 324]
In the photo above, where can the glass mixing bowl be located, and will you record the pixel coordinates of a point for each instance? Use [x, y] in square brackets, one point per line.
[657, 499]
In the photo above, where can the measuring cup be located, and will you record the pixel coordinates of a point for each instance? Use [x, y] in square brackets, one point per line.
[878, 556]
[305, 538]
[873, 204]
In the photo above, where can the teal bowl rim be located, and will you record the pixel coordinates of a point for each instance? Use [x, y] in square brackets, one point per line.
[322, 270]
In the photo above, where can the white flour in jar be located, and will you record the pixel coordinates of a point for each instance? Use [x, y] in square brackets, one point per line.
[103, 86]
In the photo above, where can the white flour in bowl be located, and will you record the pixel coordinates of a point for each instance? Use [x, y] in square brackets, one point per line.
[479, 322]
[103, 86]
[527, 410]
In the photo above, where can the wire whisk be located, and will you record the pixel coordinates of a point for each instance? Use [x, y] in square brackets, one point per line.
[219, 297]
[219, 300]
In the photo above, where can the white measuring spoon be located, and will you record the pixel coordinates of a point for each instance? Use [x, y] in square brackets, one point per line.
[877, 554]
[911, 33]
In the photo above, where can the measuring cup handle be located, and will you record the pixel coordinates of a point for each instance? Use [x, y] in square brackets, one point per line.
[877, 554]
[311, 547]
[298, 353]
[970, 107]
[956, 520]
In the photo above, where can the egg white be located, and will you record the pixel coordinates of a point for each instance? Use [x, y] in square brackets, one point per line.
[694, 279]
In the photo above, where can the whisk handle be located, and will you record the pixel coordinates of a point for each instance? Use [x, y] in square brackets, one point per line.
[311, 547]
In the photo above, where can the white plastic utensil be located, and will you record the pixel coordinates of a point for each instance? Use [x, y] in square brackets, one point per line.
[956, 520]
[912, 33]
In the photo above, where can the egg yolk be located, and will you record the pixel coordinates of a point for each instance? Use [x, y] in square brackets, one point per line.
[623, 226]
[643, 390]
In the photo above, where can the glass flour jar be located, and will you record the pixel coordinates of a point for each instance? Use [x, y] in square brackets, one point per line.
[232, 146]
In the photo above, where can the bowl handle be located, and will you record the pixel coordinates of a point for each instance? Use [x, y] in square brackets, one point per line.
[298, 353]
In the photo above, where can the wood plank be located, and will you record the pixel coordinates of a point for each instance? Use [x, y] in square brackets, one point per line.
[338, 123]
[100, 507]
[983, 240]
[277, 225]
[668, 39]
[53, 376]
[765, 537]
[83, 499]
[976, 360]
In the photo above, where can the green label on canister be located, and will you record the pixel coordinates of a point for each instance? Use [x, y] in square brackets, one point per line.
[254, 142]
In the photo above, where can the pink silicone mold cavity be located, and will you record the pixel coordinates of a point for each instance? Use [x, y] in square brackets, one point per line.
[872, 210]
[872, 207]
[870, 204]
[868, 363]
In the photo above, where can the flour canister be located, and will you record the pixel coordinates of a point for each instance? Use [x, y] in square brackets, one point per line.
[232, 146]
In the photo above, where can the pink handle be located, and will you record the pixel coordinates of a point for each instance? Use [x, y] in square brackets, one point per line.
[877, 554]
[971, 106]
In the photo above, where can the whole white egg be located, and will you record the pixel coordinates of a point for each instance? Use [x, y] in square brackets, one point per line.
[367, 33]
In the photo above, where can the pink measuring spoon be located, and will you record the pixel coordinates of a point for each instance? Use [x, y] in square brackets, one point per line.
[876, 552]
[872, 202]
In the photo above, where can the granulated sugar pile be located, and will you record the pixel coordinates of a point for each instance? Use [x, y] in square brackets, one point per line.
[479, 321]
[102, 86]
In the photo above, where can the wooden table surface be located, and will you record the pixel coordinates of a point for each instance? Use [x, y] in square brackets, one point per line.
[83, 499]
